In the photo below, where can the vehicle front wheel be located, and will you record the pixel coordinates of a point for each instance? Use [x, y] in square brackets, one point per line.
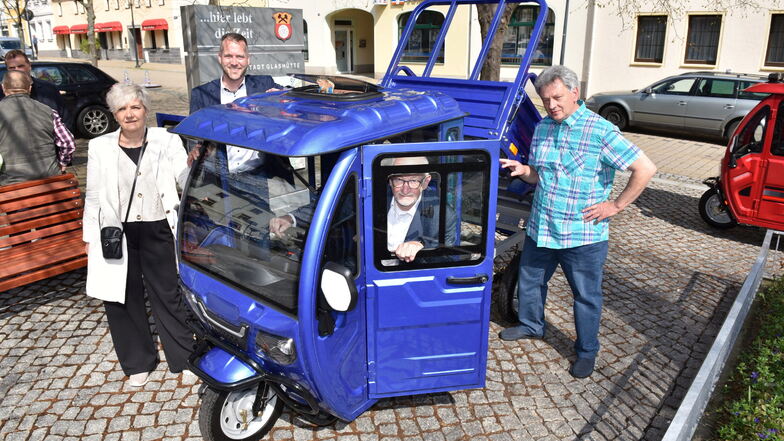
[94, 121]
[228, 416]
[616, 115]
[714, 211]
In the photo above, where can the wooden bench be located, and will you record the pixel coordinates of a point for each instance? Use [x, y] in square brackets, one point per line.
[40, 230]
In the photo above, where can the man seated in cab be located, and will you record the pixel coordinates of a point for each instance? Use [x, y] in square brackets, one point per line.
[413, 216]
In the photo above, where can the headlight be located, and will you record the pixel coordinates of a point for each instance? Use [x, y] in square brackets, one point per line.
[276, 348]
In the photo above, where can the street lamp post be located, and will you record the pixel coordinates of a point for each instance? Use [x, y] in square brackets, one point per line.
[133, 34]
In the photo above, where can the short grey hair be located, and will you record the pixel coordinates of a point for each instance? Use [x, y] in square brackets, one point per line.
[121, 94]
[552, 73]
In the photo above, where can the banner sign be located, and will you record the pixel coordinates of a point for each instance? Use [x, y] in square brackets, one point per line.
[275, 37]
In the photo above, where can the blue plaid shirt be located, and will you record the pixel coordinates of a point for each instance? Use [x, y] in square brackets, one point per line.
[576, 161]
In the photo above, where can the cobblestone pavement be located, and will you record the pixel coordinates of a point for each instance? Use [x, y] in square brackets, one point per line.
[669, 282]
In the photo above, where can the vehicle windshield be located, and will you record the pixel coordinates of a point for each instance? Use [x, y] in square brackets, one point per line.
[10, 44]
[245, 220]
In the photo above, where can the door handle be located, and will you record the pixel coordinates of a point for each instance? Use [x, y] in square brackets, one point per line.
[481, 278]
[681, 103]
[729, 106]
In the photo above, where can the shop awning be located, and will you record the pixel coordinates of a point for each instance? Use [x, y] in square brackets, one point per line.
[155, 24]
[61, 30]
[110, 26]
[79, 29]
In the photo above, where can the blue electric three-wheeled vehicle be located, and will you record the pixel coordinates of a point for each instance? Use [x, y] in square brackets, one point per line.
[284, 253]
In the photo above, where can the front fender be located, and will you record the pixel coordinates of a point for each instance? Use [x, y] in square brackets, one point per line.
[222, 370]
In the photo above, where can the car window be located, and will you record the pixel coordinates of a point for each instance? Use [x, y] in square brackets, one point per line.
[51, 74]
[750, 139]
[10, 44]
[749, 95]
[716, 88]
[675, 87]
[777, 145]
[81, 74]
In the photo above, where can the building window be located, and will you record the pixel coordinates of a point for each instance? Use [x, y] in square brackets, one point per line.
[702, 41]
[60, 9]
[517, 35]
[149, 3]
[423, 38]
[305, 36]
[161, 2]
[774, 56]
[166, 39]
[107, 5]
[650, 38]
[116, 4]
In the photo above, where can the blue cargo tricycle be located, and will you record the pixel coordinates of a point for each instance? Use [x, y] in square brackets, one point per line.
[287, 256]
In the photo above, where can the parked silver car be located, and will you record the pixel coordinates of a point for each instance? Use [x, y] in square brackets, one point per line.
[711, 103]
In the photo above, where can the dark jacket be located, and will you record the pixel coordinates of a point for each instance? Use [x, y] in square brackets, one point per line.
[208, 94]
[47, 93]
[424, 225]
[28, 149]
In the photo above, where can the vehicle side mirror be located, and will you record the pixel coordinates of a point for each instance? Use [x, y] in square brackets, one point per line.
[648, 91]
[337, 287]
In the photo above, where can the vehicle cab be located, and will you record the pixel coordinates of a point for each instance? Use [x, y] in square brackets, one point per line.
[323, 311]
[750, 189]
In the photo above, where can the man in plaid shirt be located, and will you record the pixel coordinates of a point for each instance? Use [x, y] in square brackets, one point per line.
[34, 142]
[573, 158]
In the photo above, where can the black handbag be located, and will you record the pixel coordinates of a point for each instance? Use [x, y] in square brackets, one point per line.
[111, 237]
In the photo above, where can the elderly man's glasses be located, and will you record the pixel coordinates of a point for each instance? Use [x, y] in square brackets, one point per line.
[412, 183]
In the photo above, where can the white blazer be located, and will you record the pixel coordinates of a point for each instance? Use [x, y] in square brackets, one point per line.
[166, 159]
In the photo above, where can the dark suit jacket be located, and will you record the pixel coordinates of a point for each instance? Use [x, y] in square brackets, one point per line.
[47, 93]
[208, 94]
[424, 225]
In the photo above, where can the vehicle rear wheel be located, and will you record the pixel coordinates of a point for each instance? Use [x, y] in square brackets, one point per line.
[714, 211]
[616, 115]
[226, 416]
[731, 129]
[95, 121]
[507, 291]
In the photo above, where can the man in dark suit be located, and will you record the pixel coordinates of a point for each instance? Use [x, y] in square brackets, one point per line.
[43, 91]
[413, 216]
[233, 58]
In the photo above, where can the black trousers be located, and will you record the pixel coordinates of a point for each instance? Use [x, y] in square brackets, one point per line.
[151, 265]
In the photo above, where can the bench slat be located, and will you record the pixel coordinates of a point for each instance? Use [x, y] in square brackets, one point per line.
[41, 274]
[40, 254]
[9, 241]
[43, 199]
[22, 193]
[20, 216]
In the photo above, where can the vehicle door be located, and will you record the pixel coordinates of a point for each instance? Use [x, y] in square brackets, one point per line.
[428, 318]
[666, 104]
[743, 174]
[713, 102]
[60, 79]
[771, 205]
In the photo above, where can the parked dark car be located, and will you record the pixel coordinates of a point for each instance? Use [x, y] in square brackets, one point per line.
[711, 103]
[83, 88]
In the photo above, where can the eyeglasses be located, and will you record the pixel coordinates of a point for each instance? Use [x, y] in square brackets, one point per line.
[412, 183]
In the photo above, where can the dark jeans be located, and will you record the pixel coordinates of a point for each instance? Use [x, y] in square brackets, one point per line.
[583, 269]
[151, 268]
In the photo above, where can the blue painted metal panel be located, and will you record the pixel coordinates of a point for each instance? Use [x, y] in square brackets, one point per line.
[299, 126]
[224, 367]
[424, 334]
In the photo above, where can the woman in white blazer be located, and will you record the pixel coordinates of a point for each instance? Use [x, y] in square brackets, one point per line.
[148, 260]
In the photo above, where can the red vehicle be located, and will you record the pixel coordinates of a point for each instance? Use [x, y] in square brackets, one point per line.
[750, 189]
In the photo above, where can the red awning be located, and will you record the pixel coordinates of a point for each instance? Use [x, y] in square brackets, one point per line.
[79, 29]
[111, 26]
[63, 30]
[155, 24]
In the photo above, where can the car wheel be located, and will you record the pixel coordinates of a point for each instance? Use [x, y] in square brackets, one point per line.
[226, 416]
[616, 115]
[714, 211]
[95, 121]
[731, 129]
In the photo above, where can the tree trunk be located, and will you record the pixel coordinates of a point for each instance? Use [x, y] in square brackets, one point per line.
[91, 46]
[491, 69]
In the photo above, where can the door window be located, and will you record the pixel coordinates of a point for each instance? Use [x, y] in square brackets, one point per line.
[429, 210]
[675, 87]
[80, 74]
[49, 73]
[751, 138]
[716, 88]
[777, 145]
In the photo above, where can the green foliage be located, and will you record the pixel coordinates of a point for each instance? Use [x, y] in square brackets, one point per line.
[84, 44]
[756, 388]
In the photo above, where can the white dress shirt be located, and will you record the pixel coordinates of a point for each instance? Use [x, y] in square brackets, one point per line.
[398, 222]
[240, 159]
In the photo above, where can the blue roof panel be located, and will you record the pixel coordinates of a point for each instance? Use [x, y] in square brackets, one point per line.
[296, 126]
